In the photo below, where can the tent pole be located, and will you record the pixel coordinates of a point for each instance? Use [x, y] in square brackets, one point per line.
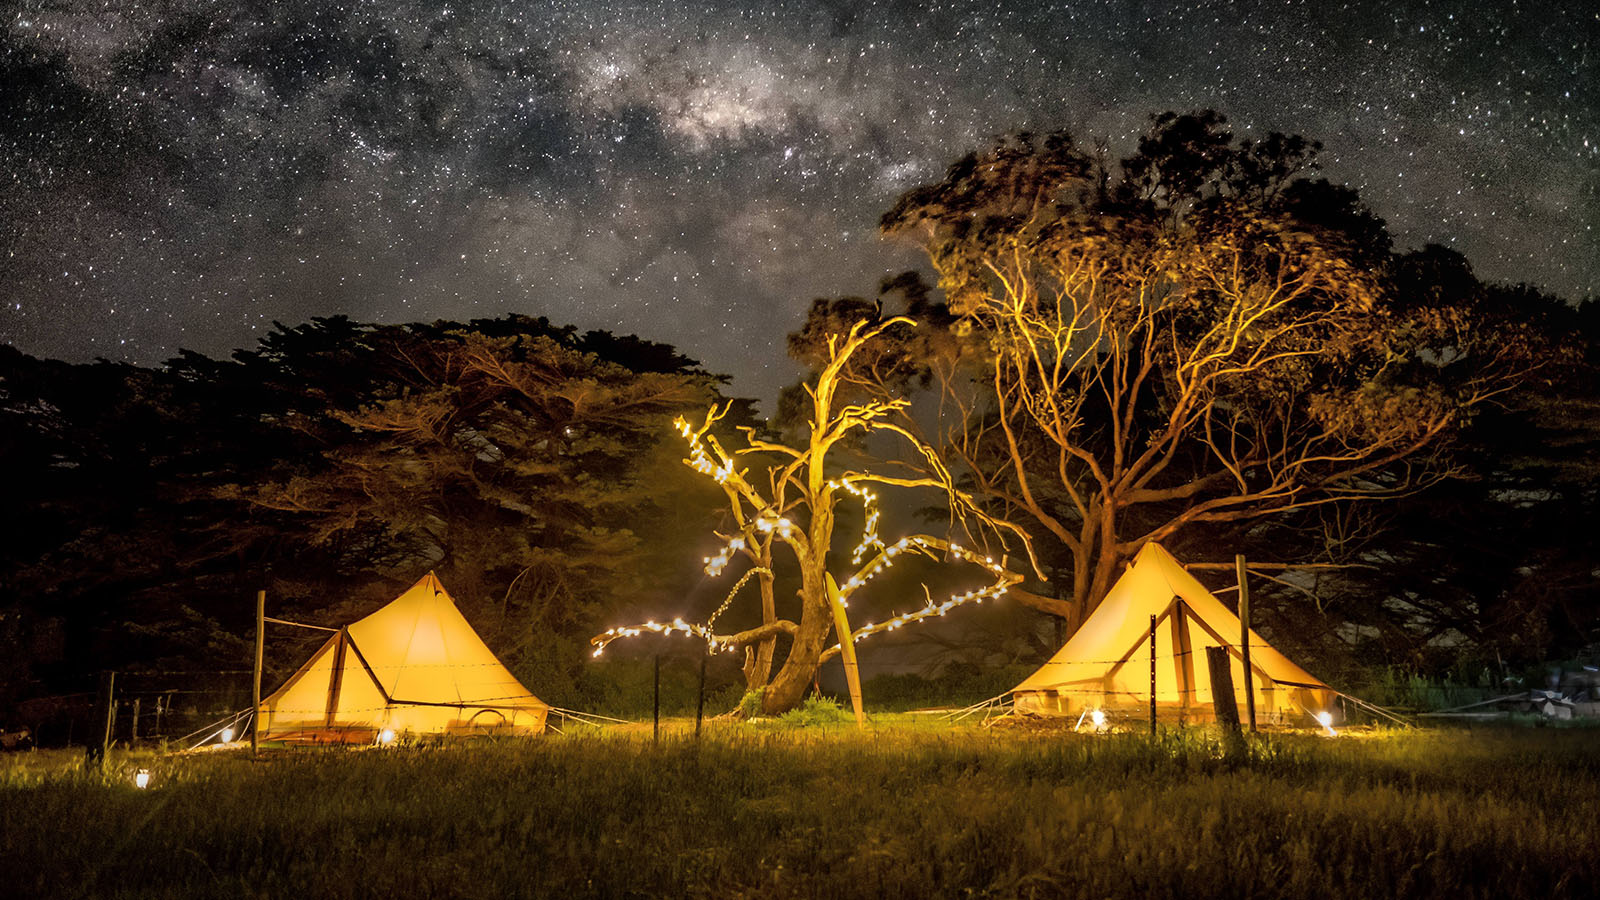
[1182, 658]
[1152, 675]
[1244, 640]
[255, 688]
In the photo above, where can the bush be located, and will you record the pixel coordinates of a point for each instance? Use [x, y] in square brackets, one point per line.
[817, 711]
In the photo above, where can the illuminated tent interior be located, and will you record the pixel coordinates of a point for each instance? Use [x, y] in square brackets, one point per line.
[1106, 664]
[414, 667]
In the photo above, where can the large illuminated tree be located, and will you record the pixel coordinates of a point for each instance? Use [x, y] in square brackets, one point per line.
[1195, 337]
[790, 502]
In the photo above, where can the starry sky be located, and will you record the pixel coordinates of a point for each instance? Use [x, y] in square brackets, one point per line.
[183, 173]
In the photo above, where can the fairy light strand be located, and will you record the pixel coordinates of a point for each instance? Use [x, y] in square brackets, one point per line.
[869, 505]
[715, 564]
[769, 522]
[1004, 579]
[728, 601]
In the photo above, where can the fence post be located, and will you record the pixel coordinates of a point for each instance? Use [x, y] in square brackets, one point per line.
[105, 705]
[1152, 675]
[655, 704]
[700, 702]
[1244, 640]
[255, 689]
[133, 724]
[1223, 702]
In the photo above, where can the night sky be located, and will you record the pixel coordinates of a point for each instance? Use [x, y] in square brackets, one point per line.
[181, 174]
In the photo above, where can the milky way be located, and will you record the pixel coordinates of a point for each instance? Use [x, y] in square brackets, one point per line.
[182, 174]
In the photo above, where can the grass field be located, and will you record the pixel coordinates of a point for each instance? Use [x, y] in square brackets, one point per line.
[912, 809]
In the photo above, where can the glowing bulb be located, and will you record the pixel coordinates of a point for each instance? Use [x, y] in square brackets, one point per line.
[141, 779]
[1325, 719]
[1098, 717]
[227, 735]
[386, 736]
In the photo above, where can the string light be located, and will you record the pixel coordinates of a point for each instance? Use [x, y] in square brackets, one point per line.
[715, 564]
[869, 504]
[600, 641]
[728, 600]
[1004, 579]
[699, 459]
[769, 521]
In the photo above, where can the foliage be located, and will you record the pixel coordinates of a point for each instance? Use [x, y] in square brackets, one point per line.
[955, 685]
[529, 464]
[816, 712]
[750, 704]
[1195, 338]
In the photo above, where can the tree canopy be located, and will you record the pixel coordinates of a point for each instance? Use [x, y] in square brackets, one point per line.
[531, 465]
[1197, 335]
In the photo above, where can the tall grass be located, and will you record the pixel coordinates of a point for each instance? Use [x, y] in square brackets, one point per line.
[776, 810]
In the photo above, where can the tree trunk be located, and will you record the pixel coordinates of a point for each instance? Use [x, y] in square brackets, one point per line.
[805, 652]
[762, 672]
[1083, 572]
[758, 657]
[1093, 566]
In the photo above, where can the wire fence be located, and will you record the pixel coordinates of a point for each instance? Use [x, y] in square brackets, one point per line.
[149, 707]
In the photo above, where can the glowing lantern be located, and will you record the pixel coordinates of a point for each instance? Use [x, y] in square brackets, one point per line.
[386, 737]
[1098, 717]
[141, 779]
[1325, 719]
[227, 734]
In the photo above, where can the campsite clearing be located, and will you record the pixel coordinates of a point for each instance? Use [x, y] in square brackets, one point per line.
[912, 809]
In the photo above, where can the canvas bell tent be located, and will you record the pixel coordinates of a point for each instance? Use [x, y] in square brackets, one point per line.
[1106, 664]
[414, 667]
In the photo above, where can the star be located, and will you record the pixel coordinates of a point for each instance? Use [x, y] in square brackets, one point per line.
[654, 167]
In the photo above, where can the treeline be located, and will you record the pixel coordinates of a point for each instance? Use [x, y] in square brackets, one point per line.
[531, 466]
[1200, 344]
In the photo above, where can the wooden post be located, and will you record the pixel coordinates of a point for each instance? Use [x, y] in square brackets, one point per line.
[133, 724]
[656, 703]
[255, 690]
[1152, 675]
[847, 650]
[700, 704]
[105, 707]
[1223, 702]
[1244, 640]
